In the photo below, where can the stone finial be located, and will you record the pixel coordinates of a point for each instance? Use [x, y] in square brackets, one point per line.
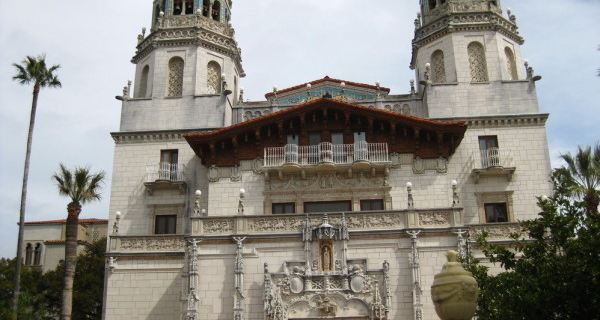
[411, 202]
[511, 16]
[413, 91]
[454, 291]
[418, 21]
[531, 73]
[455, 198]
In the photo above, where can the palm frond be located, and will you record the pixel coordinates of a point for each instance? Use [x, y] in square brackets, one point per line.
[80, 185]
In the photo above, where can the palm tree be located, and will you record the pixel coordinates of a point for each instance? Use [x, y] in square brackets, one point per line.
[32, 70]
[583, 174]
[81, 187]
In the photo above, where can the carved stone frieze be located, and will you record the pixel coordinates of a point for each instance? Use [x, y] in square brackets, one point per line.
[217, 226]
[151, 244]
[502, 231]
[437, 219]
[327, 181]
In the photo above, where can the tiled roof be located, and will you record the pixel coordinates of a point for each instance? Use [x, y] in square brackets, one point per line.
[291, 110]
[328, 79]
[63, 221]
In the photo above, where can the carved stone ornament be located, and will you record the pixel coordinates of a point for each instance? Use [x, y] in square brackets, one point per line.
[296, 285]
[428, 219]
[418, 166]
[326, 181]
[325, 287]
[213, 174]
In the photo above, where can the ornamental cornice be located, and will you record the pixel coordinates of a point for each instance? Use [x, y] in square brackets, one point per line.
[151, 136]
[464, 22]
[529, 120]
[191, 30]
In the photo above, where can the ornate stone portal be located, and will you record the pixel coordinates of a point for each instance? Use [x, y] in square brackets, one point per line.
[327, 284]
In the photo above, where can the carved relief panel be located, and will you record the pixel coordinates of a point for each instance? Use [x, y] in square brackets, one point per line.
[327, 284]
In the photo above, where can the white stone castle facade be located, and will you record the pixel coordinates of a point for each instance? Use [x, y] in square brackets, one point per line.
[332, 199]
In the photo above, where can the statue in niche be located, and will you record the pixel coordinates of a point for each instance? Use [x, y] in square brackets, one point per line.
[327, 257]
[327, 307]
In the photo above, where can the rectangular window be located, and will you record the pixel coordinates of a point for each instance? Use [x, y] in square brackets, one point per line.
[360, 137]
[314, 138]
[371, 205]
[337, 138]
[169, 156]
[327, 206]
[284, 208]
[165, 224]
[488, 142]
[496, 212]
[292, 139]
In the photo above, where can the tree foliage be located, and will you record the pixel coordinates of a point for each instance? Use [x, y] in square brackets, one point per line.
[41, 293]
[551, 270]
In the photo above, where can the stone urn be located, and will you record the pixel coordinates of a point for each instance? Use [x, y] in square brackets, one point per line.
[454, 291]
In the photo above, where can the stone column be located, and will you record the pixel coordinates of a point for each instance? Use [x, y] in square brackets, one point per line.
[239, 298]
[416, 275]
[192, 299]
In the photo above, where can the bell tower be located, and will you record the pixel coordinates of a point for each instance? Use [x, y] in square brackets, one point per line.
[467, 59]
[188, 68]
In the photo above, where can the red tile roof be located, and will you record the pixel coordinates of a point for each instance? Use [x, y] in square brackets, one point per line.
[63, 221]
[449, 124]
[328, 79]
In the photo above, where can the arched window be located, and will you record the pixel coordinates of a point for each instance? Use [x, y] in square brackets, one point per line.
[37, 257]
[438, 68]
[143, 87]
[511, 64]
[175, 88]
[432, 4]
[177, 7]
[206, 8]
[477, 62]
[213, 79]
[216, 11]
[28, 254]
[406, 110]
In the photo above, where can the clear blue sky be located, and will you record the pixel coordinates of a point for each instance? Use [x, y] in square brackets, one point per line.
[283, 42]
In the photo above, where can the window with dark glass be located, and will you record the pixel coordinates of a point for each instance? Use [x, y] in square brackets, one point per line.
[284, 208]
[314, 138]
[177, 7]
[496, 212]
[327, 206]
[28, 254]
[337, 138]
[165, 224]
[189, 7]
[371, 205]
[37, 256]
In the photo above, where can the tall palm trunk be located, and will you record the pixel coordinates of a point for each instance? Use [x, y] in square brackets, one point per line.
[74, 208]
[36, 91]
[592, 201]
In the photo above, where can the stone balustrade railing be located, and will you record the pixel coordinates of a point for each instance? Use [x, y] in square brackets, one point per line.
[217, 227]
[356, 221]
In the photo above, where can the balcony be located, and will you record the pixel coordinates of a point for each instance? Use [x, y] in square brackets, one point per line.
[165, 176]
[493, 162]
[361, 155]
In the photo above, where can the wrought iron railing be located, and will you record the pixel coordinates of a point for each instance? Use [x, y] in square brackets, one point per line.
[165, 171]
[495, 157]
[326, 152]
